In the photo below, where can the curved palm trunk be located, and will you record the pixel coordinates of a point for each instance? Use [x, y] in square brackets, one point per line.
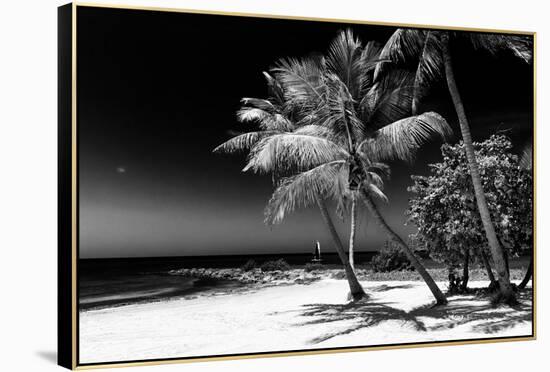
[507, 292]
[439, 296]
[355, 288]
[506, 261]
[505, 254]
[353, 229]
[487, 265]
[527, 276]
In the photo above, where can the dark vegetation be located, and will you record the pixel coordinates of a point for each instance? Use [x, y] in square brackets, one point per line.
[277, 265]
[390, 258]
[249, 265]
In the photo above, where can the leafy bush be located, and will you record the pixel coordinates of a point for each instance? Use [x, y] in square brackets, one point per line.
[311, 266]
[249, 265]
[279, 264]
[390, 258]
[444, 209]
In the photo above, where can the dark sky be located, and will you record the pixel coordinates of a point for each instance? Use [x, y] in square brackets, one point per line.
[158, 91]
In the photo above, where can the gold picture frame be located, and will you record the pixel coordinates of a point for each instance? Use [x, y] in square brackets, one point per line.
[68, 191]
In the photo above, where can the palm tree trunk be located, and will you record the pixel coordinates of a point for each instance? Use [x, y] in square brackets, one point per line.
[439, 296]
[356, 290]
[353, 228]
[487, 265]
[505, 254]
[465, 270]
[506, 261]
[527, 276]
[507, 292]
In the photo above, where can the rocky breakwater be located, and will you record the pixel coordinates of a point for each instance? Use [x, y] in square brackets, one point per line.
[255, 276]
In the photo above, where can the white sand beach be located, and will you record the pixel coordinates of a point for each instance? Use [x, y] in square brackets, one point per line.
[293, 317]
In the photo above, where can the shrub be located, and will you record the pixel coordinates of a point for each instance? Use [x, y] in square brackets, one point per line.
[390, 258]
[311, 266]
[444, 209]
[249, 265]
[279, 264]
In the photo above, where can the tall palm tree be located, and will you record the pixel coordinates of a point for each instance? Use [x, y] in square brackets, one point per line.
[430, 52]
[277, 117]
[348, 125]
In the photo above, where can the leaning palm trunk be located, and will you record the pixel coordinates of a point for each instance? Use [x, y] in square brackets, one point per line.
[487, 265]
[439, 296]
[355, 288]
[506, 290]
[505, 255]
[506, 261]
[527, 276]
[353, 229]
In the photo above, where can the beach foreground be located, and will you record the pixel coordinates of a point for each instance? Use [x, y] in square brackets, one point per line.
[293, 317]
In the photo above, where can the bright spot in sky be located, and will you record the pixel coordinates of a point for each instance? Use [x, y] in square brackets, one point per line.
[121, 170]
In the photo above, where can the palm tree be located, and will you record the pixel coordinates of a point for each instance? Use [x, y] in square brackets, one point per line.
[348, 125]
[276, 118]
[430, 52]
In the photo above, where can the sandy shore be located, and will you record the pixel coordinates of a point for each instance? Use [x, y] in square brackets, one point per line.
[292, 317]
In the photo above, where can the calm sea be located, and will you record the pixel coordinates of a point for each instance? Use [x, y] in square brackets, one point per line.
[121, 281]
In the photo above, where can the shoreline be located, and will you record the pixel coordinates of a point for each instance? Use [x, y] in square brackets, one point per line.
[209, 282]
[297, 275]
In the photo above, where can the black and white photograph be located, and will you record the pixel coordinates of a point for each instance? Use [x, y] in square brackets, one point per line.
[251, 185]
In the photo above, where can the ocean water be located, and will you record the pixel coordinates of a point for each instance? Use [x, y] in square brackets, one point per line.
[121, 281]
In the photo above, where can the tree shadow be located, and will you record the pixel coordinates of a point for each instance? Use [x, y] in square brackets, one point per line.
[485, 317]
[364, 313]
[461, 310]
[385, 287]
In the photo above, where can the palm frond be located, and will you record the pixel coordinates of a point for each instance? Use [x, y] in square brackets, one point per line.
[388, 100]
[526, 159]
[370, 58]
[275, 90]
[262, 104]
[374, 190]
[316, 130]
[521, 46]
[242, 142]
[251, 114]
[292, 152]
[265, 119]
[375, 179]
[405, 45]
[403, 138]
[371, 54]
[344, 60]
[337, 111]
[304, 189]
[301, 79]
[430, 67]
[379, 168]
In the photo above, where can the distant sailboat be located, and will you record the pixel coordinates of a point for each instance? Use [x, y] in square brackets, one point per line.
[317, 253]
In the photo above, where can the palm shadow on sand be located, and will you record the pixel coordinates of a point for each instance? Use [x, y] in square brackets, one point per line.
[364, 313]
[386, 287]
[461, 310]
